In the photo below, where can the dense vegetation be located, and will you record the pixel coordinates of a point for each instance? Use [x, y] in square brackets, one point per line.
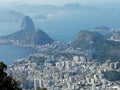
[39, 88]
[84, 39]
[7, 82]
[38, 59]
[108, 51]
[66, 55]
[112, 75]
[104, 49]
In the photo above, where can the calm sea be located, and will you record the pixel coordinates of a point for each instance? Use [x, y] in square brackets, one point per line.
[9, 53]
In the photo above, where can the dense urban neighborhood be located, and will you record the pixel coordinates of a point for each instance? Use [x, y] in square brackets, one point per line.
[64, 68]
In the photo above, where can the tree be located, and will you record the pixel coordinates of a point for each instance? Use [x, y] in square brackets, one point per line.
[39, 88]
[112, 75]
[7, 82]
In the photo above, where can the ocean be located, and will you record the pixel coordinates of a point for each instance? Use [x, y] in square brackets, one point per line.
[9, 53]
[69, 23]
[63, 27]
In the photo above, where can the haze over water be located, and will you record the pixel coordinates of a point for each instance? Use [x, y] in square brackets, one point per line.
[61, 25]
[10, 53]
[69, 23]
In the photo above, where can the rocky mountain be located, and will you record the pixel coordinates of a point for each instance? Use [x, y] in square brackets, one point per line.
[28, 34]
[102, 28]
[84, 38]
[114, 36]
[105, 49]
[27, 24]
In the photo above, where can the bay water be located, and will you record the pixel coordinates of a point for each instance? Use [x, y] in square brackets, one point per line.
[9, 53]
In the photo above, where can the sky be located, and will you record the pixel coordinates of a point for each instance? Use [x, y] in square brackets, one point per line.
[55, 2]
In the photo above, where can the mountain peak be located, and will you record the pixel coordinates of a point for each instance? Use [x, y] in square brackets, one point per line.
[27, 24]
[28, 34]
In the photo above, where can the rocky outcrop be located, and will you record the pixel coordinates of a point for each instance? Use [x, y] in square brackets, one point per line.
[28, 34]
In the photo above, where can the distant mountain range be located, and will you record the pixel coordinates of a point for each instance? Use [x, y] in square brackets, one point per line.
[51, 8]
[14, 16]
[28, 34]
[39, 17]
[10, 15]
[102, 28]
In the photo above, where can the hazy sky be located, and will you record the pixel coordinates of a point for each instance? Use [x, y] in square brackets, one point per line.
[58, 2]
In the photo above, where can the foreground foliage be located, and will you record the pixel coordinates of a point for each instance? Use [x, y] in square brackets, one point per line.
[7, 82]
[112, 75]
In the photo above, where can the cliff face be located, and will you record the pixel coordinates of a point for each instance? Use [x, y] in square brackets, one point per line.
[28, 35]
[27, 24]
[84, 38]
